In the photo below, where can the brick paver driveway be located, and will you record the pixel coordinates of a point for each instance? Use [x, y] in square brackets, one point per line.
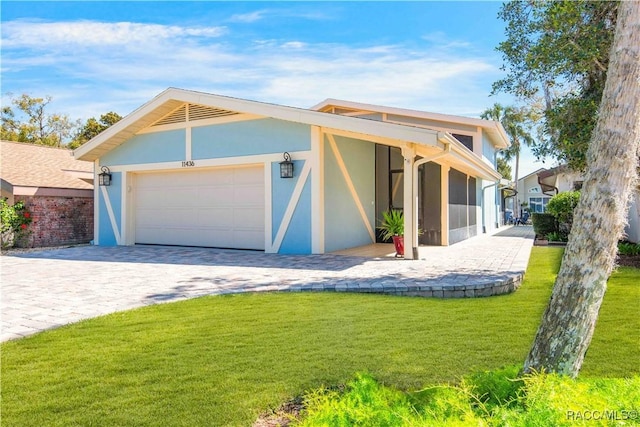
[46, 289]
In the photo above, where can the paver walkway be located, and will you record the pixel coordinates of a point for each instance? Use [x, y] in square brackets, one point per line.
[46, 289]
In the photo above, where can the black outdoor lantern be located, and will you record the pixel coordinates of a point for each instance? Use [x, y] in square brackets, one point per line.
[286, 167]
[104, 178]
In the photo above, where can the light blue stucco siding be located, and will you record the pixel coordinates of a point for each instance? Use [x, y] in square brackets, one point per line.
[344, 226]
[297, 239]
[263, 136]
[156, 147]
[106, 235]
[488, 150]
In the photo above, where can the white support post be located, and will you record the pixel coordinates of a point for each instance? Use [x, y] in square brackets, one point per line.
[410, 226]
[317, 190]
[444, 205]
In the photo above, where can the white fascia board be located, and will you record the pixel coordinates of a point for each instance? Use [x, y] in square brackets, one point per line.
[501, 142]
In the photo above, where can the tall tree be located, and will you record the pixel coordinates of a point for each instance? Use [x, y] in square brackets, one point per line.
[612, 160]
[556, 56]
[517, 123]
[93, 127]
[504, 168]
[37, 125]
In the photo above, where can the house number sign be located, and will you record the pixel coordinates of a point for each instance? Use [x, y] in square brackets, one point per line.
[188, 164]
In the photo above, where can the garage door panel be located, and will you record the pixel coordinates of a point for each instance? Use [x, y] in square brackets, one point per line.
[251, 239]
[217, 208]
[216, 217]
[216, 196]
[248, 218]
[248, 196]
[248, 176]
[149, 197]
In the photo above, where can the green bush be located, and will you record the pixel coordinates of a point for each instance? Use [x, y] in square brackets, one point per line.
[628, 248]
[557, 236]
[544, 223]
[14, 220]
[561, 206]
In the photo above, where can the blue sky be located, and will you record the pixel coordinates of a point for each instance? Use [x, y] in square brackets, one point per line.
[95, 57]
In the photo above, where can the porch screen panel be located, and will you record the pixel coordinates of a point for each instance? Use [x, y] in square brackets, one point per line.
[458, 208]
[429, 210]
[472, 201]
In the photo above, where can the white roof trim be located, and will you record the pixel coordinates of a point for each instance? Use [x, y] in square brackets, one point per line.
[503, 141]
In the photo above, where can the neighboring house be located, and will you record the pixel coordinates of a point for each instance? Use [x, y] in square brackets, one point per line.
[561, 179]
[197, 169]
[56, 188]
[537, 188]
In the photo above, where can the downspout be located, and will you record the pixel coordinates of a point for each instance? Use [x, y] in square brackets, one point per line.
[442, 137]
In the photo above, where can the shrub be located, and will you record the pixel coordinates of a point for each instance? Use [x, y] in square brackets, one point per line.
[557, 236]
[628, 248]
[15, 221]
[544, 223]
[561, 206]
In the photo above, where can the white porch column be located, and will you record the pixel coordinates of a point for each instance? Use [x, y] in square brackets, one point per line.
[317, 190]
[409, 154]
[444, 205]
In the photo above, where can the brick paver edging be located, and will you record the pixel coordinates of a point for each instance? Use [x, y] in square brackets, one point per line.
[500, 287]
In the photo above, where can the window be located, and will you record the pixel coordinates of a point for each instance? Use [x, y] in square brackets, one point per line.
[538, 204]
[466, 140]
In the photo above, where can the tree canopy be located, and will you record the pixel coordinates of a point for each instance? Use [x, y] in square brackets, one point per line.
[556, 55]
[93, 127]
[34, 124]
[29, 120]
[517, 123]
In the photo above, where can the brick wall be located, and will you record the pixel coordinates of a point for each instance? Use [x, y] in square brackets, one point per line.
[58, 220]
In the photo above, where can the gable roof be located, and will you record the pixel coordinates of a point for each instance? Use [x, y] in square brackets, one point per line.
[31, 165]
[493, 129]
[172, 98]
[167, 108]
[535, 172]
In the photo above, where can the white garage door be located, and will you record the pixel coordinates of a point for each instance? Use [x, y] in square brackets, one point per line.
[217, 208]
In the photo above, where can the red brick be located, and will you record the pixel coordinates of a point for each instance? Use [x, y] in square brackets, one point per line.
[58, 220]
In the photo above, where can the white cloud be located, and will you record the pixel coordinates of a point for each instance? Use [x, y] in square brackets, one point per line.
[93, 67]
[43, 35]
[293, 45]
[248, 18]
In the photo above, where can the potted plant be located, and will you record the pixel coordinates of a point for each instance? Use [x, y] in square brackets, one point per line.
[392, 227]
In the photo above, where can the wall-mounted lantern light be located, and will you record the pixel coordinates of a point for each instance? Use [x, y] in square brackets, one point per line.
[104, 178]
[286, 167]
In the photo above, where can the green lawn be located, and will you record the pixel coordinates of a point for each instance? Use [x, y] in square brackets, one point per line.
[223, 360]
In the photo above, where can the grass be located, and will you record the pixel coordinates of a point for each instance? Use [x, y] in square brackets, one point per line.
[223, 360]
[493, 398]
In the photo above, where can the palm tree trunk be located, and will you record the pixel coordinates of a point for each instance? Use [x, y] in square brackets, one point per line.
[515, 177]
[569, 321]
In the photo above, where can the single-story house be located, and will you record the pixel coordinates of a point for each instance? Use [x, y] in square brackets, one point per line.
[56, 189]
[197, 169]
